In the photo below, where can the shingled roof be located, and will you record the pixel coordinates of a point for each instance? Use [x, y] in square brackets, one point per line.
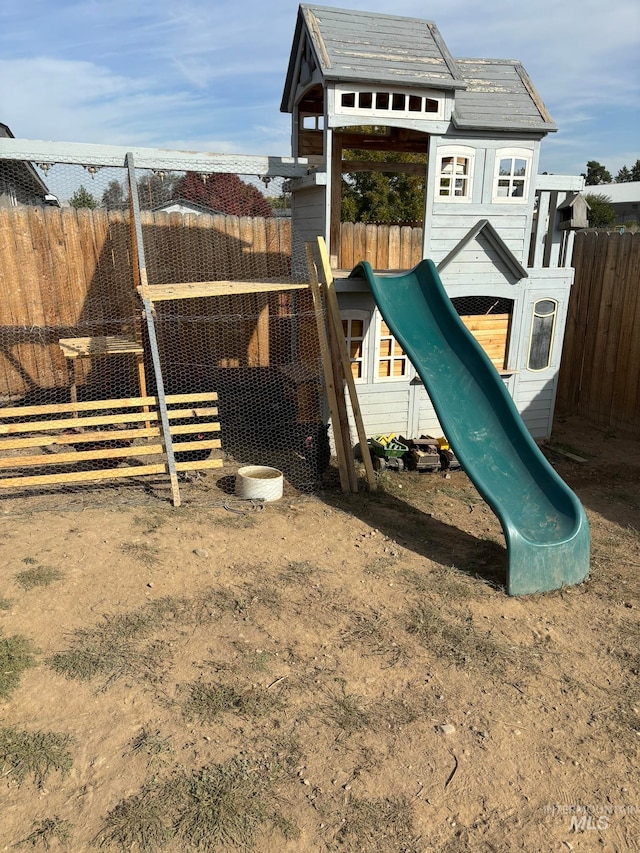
[373, 48]
[367, 47]
[499, 96]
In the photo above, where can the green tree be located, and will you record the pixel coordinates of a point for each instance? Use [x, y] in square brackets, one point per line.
[601, 214]
[223, 192]
[635, 171]
[623, 176]
[596, 174]
[113, 198]
[383, 196]
[83, 198]
[154, 188]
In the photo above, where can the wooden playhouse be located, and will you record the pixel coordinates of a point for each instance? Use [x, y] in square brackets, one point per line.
[498, 232]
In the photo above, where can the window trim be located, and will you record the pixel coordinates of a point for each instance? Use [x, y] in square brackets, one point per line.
[390, 94]
[462, 151]
[534, 314]
[366, 316]
[512, 154]
[378, 357]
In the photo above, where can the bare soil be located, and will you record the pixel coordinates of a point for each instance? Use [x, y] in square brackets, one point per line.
[329, 673]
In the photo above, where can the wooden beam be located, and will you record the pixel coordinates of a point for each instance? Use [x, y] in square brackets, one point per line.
[204, 289]
[334, 312]
[44, 459]
[96, 405]
[93, 421]
[327, 369]
[103, 474]
[419, 169]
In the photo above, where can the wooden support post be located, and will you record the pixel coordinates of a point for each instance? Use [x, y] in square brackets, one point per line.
[336, 321]
[343, 415]
[140, 278]
[314, 286]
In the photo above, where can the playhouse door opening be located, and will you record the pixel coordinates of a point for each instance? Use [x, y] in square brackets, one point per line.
[378, 196]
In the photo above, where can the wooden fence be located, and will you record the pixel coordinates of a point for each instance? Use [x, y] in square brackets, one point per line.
[600, 371]
[386, 247]
[67, 273]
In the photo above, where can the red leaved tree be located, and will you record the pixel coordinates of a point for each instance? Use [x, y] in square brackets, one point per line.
[223, 193]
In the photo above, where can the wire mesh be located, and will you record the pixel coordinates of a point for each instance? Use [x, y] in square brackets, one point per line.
[231, 323]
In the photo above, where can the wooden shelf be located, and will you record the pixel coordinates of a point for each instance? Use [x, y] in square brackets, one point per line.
[102, 345]
[202, 289]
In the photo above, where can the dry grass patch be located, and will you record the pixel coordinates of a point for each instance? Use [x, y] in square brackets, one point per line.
[207, 702]
[46, 831]
[375, 634]
[347, 712]
[17, 654]
[142, 552]
[378, 826]
[460, 644]
[38, 576]
[218, 808]
[33, 754]
[151, 744]
[119, 646]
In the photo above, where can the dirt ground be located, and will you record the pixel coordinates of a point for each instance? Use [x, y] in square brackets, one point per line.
[329, 673]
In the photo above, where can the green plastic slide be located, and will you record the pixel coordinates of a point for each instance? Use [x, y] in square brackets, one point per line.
[544, 523]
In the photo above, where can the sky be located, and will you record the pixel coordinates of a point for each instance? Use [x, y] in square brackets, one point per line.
[208, 75]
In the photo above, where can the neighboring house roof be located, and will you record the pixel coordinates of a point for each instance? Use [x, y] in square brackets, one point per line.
[627, 191]
[391, 50]
[183, 205]
[23, 173]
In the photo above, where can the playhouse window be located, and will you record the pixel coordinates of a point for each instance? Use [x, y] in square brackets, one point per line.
[513, 167]
[455, 174]
[312, 122]
[355, 324]
[542, 326]
[390, 102]
[392, 362]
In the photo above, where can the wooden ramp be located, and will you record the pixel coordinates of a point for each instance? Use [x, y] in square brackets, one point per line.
[97, 440]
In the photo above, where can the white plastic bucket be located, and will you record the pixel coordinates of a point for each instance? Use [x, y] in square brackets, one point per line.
[259, 482]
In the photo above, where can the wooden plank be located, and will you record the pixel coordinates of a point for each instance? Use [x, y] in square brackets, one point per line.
[44, 459]
[595, 274]
[201, 289]
[601, 328]
[626, 400]
[327, 370]
[13, 373]
[572, 369]
[63, 439]
[103, 474]
[334, 312]
[90, 405]
[347, 261]
[339, 380]
[101, 345]
[94, 420]
[609, 345]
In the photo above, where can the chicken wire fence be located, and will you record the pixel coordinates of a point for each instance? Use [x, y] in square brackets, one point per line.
[156, 332]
